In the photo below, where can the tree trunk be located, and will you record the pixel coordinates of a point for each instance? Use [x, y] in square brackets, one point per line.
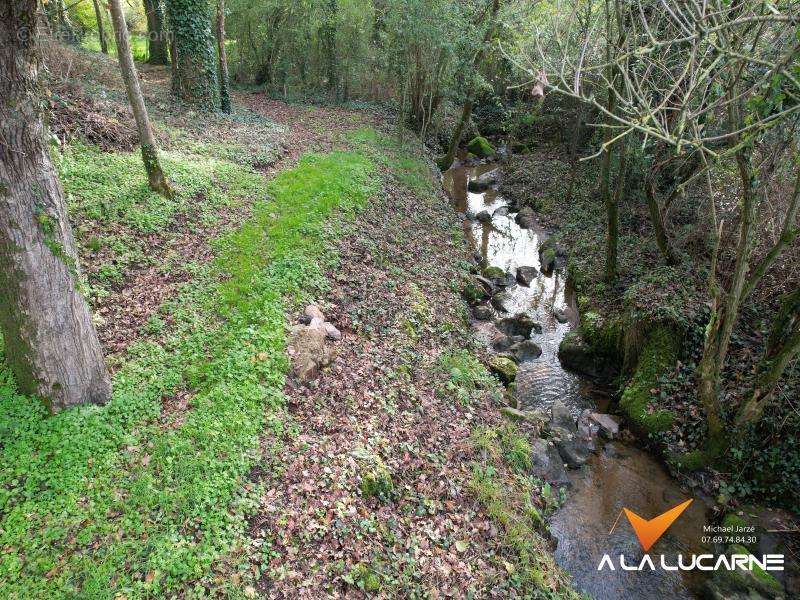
[101, 30]
[725, 308]
[50, 342]
[195, 73]
[783, 344]
[155, 175]
[156, 33]
[224, 79]
[664, 247]
[466, 113]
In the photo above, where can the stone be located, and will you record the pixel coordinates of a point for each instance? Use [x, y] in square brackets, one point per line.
[546, 463]
[331, 331]
[520, 324]
[499, 278]
[576, 355]
[504, 368]
[308, 353]
[607, 424]
[312, 311]
[480, 147]
[482, 312]
[501, 342]
[515, 414]
[560, 417]
[483, 216]
[501, 301]
[526, 218]
[525, 351]
[501, 212]
[561, 315]
[483, 182]
[574, 451]
[547, 260]
[525, 275]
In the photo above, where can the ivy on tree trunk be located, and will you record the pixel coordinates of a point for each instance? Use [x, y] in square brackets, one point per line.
[195, 69]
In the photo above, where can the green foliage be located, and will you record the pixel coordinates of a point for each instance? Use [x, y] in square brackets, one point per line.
[132, 498]
[111, 188]
[462, 376]
[513, 501]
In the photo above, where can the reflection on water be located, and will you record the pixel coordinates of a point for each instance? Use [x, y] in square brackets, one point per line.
[620, 475]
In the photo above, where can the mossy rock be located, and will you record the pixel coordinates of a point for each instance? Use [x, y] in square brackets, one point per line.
[504, 367]
[480, 147]
[659, 354]
[741, 580]
[548, 260]
[494, 273]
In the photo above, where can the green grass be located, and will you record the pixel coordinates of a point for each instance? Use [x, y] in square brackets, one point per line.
[91, 42]
[111, 188]
[129, 499]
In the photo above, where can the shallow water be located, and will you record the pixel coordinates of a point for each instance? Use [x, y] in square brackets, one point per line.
[621, 475]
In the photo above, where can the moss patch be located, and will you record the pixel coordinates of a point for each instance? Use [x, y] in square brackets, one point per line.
[660, 353]
[480, 147]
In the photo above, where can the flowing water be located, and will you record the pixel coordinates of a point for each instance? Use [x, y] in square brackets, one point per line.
[620, 475]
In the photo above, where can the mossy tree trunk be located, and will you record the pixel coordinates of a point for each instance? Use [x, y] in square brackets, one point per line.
[157, 41]
[466, 112]
[195, 73]
[101, 29]
[224, 78]
[50, 341]
[155, 175]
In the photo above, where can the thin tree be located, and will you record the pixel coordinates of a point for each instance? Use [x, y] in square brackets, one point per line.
[155, 175]
[466, 111]
[224, 78]
[50, 342]
[101, 30]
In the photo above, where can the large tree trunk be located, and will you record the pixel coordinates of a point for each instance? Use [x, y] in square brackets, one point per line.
[224, 79]
[156, 33]
[195, 72]
[101, 30]
[50, 342]
[155, 175]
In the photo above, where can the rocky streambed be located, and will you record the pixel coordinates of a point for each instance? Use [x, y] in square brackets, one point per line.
[523, 307]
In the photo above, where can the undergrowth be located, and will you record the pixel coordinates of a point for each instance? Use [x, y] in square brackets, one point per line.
[134, 498]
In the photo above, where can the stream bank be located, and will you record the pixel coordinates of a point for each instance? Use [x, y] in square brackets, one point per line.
[524, 308]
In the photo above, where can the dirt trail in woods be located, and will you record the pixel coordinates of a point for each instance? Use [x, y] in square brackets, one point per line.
[393, 298]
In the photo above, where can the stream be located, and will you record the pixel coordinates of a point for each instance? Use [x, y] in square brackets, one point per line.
[619, 474]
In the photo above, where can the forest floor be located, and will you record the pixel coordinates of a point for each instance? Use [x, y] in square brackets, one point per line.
[214, 472]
